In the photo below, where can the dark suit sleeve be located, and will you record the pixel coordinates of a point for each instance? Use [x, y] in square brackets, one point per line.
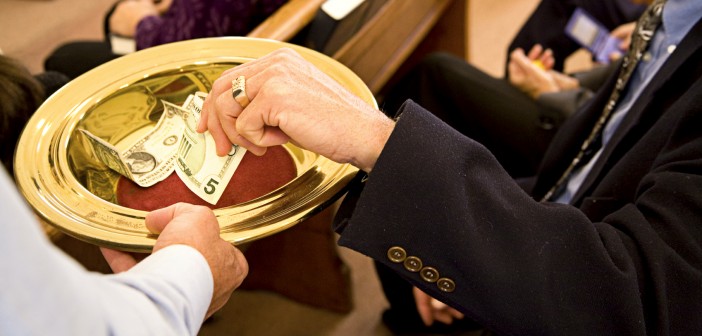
[519, 266]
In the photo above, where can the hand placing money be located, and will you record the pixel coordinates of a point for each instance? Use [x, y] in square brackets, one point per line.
[174, 144]
[198, 165]
[294, 101]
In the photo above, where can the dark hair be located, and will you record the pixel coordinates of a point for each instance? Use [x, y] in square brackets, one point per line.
[20, 95]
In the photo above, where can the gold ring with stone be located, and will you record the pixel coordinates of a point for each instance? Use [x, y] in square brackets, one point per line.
[239, 91]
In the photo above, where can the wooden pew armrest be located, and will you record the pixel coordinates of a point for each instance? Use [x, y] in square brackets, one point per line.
[288, 20]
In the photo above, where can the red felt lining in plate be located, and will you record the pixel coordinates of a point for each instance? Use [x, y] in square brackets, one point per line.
[256, 176]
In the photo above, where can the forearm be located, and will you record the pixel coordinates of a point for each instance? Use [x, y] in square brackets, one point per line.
[45, 292]
[54, 292]
[174, 287]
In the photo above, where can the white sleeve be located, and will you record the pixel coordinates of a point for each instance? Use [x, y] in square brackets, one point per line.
[45, 292]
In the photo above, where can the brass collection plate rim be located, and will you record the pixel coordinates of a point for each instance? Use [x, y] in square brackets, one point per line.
[56, 195]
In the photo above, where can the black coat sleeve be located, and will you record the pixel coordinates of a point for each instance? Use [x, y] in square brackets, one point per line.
[522, 267]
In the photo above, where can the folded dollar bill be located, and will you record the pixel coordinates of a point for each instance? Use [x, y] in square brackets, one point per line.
[174, 144]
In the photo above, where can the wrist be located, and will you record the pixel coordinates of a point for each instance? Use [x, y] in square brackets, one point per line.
[370, 149]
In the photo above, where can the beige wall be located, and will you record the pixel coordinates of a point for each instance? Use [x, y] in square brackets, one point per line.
[491, 26]
[29, 30]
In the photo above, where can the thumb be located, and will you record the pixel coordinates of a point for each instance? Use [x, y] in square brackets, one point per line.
[157, 220]
[514, 69]
[260, 128]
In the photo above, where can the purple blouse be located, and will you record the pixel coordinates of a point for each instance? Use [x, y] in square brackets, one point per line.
[190, 19]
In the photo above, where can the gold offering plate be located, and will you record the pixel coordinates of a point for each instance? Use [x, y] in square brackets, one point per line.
[118, 101]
